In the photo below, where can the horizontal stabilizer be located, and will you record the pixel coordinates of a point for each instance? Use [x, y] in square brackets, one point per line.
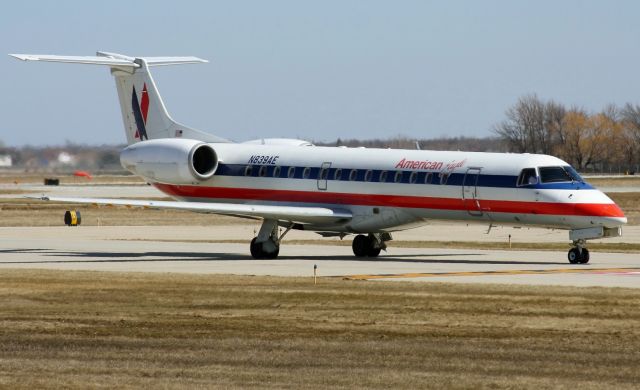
[160, 61]
[283, 213]
[76, 59]
[110, 59]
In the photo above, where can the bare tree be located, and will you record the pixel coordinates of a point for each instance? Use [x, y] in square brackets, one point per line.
[554, 114]
[524, 128]
[630, 119]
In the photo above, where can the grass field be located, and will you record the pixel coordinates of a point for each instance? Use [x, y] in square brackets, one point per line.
[68, 179]
[101, 329]
[615, 181]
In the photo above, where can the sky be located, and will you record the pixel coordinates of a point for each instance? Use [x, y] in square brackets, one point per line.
[316, 70]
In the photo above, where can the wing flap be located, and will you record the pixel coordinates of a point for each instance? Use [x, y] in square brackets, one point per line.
[298, 214]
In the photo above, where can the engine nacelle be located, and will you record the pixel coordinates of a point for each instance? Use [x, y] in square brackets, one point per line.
[171, 160]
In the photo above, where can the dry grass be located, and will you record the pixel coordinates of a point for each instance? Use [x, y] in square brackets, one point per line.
[100, 329]
[38, 178]
[619, 181]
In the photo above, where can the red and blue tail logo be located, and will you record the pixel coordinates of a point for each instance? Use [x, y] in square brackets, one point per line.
[140, 111]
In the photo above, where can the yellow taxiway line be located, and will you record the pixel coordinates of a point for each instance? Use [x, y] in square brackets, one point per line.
[485, 273]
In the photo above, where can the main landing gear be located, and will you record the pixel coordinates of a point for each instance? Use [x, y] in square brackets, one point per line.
[266, 245]
[370, 245]
[578, 254]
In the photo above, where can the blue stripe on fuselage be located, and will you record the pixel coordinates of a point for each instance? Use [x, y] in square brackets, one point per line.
[454, 179]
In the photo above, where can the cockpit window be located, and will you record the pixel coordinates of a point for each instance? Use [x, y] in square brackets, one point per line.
[576, 176]
[527, 177]
[558, 174]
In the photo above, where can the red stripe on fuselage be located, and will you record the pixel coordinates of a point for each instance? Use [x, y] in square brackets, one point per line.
[421, 202]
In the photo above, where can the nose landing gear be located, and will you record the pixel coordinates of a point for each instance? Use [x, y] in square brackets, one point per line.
[578, 254]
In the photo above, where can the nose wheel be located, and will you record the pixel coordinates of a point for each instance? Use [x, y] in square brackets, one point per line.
[578, 254]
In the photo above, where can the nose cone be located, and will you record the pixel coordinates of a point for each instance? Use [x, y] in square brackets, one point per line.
[617, 217]
[605, 211]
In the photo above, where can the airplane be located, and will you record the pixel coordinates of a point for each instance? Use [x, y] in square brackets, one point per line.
[337, 191]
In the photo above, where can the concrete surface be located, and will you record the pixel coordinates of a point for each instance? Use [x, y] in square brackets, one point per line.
[141, 249]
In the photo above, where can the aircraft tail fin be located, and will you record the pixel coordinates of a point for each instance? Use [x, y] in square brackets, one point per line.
[143, 111]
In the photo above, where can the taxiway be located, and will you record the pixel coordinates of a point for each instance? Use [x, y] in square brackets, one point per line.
[185, 250]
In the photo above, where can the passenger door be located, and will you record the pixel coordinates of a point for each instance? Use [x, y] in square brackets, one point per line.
[322, 176]
[470, 191]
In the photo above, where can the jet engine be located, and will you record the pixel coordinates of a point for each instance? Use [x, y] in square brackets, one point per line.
[171, 160]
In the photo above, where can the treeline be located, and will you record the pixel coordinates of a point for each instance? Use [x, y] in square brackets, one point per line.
[605, 141]
[471, 144]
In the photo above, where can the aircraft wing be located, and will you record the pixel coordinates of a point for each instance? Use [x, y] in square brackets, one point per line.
[298, 214]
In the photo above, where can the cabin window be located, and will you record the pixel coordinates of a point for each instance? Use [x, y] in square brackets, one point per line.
[413, 178]
[276, 171]
[324, 172]
[263, 171]
[353, 175]
[368, 175]
[306, 173]
[291, 173]
[337, 175]
[554, 175]
[383, 176]
[527, 177]
[398, 177]
[428, 177]
[247, 170]
[443, 178]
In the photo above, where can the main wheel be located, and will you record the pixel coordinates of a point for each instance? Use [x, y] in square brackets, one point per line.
[258, 252]
[372, 251]
[575, 257]
[272, 255]
[256, 249]
[360, 245]
[585, 256]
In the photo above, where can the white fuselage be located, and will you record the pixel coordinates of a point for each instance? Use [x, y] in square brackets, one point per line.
[388, 190]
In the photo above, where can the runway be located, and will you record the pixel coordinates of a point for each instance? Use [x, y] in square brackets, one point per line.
[163, 249]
